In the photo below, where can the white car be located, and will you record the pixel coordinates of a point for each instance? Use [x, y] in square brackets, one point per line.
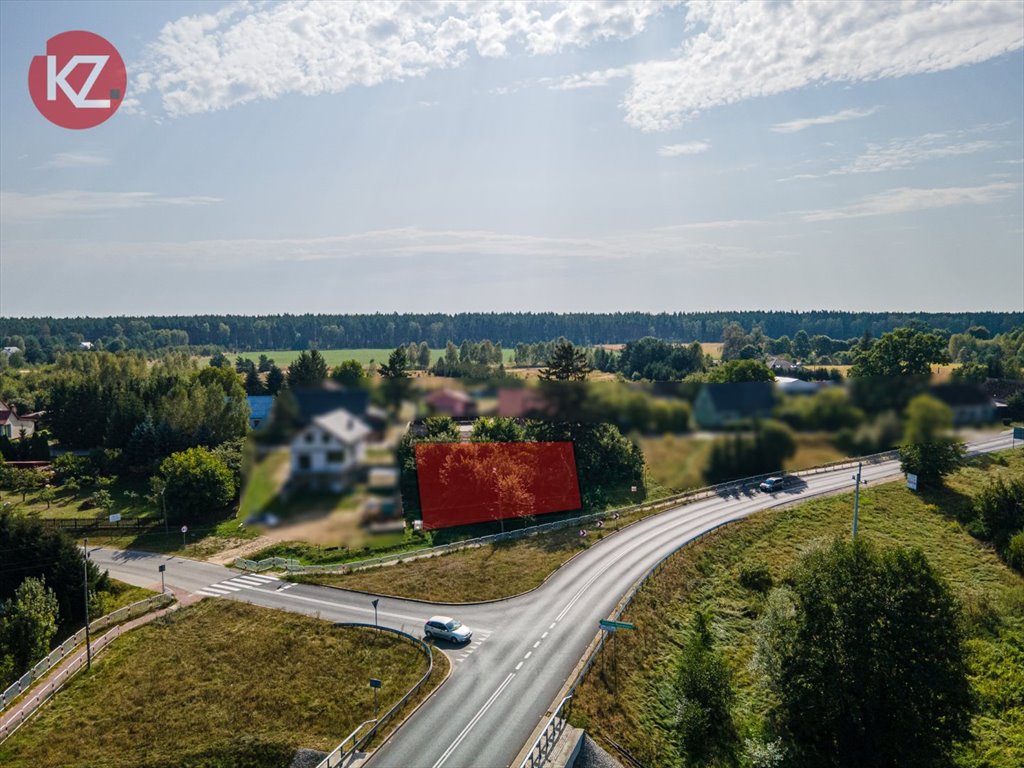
[447, 628]
[773, 484]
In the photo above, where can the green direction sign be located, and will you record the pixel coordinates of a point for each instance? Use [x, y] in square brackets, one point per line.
[611, 626]
[1018, 433]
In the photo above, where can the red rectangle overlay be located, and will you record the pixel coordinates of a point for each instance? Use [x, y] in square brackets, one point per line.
[463, 483]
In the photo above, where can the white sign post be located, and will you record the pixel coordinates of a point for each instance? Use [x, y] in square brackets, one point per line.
[116, 517]
[184, 530]
[911, 481]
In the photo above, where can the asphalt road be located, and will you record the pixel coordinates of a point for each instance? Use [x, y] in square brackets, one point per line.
[523, 648]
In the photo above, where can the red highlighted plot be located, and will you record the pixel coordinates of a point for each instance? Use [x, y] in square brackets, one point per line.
[462, 483]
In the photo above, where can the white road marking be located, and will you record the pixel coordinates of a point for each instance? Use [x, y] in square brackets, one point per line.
[225, 585]
[544, 635]
[246, 580]
[583, 589]
[217, 590]
[206, 594]
[261, 577]
[536, 644]
[552, 625]
[520, 664]
[528, 655]
[473, 722]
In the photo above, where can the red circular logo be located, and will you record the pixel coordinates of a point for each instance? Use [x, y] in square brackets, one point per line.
[80, 82]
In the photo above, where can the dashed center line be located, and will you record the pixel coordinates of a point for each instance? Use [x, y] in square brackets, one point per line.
[552, 625]
[536, 644]
[528, 655]
[544, 635]
[519, 665]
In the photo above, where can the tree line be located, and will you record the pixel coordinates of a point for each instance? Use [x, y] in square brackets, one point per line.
[41, 339]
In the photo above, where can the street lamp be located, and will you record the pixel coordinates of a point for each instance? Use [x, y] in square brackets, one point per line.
[856, 497]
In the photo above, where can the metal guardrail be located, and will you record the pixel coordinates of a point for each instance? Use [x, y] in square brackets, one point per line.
[354, 741]
[55, 656]
[547, 739]
[256, 566]
[293, 566]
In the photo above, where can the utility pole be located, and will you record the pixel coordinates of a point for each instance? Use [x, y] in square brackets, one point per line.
[85, 593]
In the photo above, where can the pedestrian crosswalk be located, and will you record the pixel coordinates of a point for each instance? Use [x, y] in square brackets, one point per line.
[238, 583]
[479, 638]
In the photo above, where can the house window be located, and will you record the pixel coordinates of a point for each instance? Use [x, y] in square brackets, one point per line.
[304, 462]
[309, 437]
[335, 457]
[325, 437]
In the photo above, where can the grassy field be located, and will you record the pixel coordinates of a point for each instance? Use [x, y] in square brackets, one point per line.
[677, 462]
[333, 357]
[704, 576]
[482, 573]
[219, 684]
[674, 463]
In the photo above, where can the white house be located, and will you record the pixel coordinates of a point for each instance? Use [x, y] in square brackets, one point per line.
[14, 426]
[328, 451]
[11, 350]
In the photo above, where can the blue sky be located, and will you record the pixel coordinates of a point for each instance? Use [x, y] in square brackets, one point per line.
[332, 157]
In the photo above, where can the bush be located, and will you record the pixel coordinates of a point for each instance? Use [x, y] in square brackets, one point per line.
[756, 577]
[1013, 554]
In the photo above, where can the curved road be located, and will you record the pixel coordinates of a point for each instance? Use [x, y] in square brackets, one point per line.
[523, 648]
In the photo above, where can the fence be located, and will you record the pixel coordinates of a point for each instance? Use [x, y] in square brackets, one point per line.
[103, 523]
[354, 741]
[535, 759]
[293, 566]
[55, 656]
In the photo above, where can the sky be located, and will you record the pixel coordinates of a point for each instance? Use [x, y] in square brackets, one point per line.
[582, 156]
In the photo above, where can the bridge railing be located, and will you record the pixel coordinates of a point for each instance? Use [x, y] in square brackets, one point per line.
[541, 748]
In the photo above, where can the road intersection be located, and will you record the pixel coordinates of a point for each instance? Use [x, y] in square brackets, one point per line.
[525, 647]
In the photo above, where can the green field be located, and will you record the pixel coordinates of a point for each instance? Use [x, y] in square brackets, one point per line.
[333, 357]
[219, 684]
[638, 712]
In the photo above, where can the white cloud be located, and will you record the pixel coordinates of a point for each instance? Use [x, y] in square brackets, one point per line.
[596, 79]
[909, 199]
[248, 52]
[684, 244]
[902, 153]
[792, 126]
[76, 160]
[73, 203]
[686, 148]
[741, 51]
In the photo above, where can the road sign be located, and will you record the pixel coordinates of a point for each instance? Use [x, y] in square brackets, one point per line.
[611, 626]
[375, 683]
[162, 568]
[1018, 433]
[911, 481]
[116, 517]
[184, 529]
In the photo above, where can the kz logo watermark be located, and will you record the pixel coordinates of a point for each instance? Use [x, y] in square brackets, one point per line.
[80, 82]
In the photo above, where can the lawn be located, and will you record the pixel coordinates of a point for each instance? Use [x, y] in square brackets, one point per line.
[219, 684]
[640, 712]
